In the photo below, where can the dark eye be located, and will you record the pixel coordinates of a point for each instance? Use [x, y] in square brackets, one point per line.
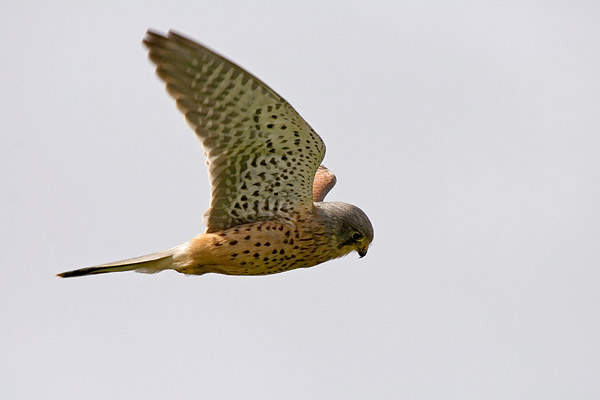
[357, 236]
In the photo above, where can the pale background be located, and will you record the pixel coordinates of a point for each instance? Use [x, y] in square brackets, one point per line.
[468, 131]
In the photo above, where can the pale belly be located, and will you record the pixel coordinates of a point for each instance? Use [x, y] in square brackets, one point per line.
[257, 248]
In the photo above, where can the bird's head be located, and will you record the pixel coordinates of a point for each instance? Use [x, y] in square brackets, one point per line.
[351, 227]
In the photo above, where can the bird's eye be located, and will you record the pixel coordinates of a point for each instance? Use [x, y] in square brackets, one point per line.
[357, 236]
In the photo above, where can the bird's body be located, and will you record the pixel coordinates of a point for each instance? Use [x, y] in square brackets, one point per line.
[258, 248]
[267, 213]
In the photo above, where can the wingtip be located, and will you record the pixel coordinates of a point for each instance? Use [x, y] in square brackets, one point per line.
[152, 36]
[155, 39]
[152, 33]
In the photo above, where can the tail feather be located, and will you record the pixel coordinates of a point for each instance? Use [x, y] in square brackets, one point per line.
[150, 264]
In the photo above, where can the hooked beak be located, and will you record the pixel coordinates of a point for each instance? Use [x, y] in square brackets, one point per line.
[362, 251]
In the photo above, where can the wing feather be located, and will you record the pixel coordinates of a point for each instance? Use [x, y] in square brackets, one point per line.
[324, 181]
[262, 156]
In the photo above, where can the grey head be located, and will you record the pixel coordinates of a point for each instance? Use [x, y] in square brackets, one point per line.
[348, 224]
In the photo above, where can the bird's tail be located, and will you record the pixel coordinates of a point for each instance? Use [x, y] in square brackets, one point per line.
[149, 264]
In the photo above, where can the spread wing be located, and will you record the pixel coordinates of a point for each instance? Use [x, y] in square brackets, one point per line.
[262, 156]
[324, 181]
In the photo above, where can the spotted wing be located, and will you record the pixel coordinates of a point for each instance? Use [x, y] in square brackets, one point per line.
[262, 156]
[324, 181]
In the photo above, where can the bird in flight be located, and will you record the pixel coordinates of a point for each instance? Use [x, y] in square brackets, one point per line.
[267, 213]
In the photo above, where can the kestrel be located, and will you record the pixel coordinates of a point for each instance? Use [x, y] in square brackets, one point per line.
[266, 213]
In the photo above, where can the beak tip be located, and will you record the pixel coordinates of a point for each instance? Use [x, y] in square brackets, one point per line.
[362, 253]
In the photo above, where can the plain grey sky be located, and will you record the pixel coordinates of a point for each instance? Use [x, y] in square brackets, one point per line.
[468, 131]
